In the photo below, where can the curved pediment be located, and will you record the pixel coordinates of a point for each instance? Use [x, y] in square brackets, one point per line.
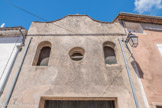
[74, 24]
[73, 16]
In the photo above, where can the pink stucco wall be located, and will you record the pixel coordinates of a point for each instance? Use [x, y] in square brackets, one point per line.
[149, 59]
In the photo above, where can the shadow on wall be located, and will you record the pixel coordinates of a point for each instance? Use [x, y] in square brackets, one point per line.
[10, 40]
[137, 69]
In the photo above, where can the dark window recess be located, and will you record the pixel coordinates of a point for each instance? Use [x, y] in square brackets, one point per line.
[76, 56]
[44, 56]
[79, 104]
[158, 106]
[109, 54]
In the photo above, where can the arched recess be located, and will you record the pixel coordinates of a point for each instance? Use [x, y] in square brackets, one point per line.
[42, 54]
[109, 53]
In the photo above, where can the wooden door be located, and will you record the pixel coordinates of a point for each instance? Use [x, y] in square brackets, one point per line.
[79, 104]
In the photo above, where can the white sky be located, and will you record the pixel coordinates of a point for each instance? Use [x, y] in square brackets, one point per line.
[142, 6]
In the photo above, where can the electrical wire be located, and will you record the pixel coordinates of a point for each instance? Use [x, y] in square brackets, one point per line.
[26, 11]
[111, 83]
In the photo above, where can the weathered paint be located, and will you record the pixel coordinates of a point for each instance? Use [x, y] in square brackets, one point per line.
[63, 77]
[149, 62]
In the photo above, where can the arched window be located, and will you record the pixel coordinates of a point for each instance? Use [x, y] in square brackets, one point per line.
[42, 54]
[109, 53]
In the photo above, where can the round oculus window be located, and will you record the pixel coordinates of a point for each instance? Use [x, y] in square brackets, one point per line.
[76, 53]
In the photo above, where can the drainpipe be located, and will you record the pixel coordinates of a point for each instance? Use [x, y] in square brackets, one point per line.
[10, 65]
[139, 80]
[129, 75]
[16, 76]
[23, 40]
[6, 75]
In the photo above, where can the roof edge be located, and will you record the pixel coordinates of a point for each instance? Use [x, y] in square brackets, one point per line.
[11, 28]
[138, 18]
[72, 15]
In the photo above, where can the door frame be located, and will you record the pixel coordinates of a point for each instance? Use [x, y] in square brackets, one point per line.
[44, 98]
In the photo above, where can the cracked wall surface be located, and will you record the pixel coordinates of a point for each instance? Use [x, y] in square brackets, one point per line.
[63, 77]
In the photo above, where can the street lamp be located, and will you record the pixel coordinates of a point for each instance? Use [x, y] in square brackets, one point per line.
[132, 39]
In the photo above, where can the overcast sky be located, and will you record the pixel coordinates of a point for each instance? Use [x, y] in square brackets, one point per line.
[49, 10]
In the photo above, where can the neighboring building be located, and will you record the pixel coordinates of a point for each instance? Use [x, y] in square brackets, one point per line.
[148, 54]
[73, 62]
[10, 44]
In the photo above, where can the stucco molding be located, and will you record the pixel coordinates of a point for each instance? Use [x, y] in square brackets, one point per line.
[73, 16]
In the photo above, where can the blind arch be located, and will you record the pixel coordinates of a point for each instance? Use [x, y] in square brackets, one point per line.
[42, 54]
[109, 53]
